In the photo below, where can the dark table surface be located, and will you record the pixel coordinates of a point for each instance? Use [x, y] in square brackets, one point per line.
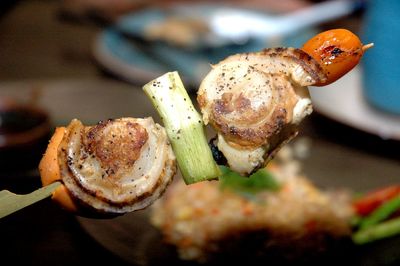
[37, 48]
[43, 234]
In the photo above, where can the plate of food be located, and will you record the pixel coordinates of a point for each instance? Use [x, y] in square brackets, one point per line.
[241, 183]
[145, 44]
[301, 223]
[276, 215]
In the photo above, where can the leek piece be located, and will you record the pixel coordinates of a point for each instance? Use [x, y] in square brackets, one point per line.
[184, 126]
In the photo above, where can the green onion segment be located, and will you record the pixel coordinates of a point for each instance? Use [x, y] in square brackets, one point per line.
[378, 231]
[381, 213]
[184, 126]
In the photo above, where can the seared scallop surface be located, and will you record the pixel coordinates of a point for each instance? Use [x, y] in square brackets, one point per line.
[117, 166]
[256, 101]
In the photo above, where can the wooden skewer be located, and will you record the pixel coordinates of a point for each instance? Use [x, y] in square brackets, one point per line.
[367, 46]
[11, 202]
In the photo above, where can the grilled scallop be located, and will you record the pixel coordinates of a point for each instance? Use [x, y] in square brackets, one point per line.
[255, 101]
[116, 166]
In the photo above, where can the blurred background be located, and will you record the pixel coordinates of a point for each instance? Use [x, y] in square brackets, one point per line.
[88, 59]
[62, 39]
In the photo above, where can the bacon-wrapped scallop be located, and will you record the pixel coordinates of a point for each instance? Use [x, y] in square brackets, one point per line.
[114, 167]
[255, 101]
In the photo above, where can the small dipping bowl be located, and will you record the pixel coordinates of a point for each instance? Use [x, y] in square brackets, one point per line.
[24, 134]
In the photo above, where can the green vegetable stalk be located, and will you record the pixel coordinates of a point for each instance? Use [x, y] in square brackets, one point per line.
[381, 213]
[377, 231]
[184, 126]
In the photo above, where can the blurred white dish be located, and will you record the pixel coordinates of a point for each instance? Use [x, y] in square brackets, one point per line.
[233, 26]
[344, 102]
[123, 50]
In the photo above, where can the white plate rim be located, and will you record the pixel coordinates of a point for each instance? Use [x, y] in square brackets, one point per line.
[343, 101]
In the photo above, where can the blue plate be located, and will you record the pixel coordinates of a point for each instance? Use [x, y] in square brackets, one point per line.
[139, 61]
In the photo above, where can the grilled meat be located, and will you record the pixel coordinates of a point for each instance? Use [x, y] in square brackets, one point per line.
[255, 102]
[116, 166]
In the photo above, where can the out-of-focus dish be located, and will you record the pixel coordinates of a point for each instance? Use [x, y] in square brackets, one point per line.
[344, 102]
[134, 239]
[184, 26]
[121, 49]
[210, 219]
[177, 31]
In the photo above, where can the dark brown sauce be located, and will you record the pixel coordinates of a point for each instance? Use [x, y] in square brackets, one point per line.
[24, 134]
[16, 120]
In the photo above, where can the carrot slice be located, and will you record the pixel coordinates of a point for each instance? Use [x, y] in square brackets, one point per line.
[50, 172]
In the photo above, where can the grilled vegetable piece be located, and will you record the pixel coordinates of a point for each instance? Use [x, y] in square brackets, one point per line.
[373, 199]
[378, 231]
[50, 172]
[381, 213]
[255, 101]
[184, 127]
[114, 167]
[338, 51]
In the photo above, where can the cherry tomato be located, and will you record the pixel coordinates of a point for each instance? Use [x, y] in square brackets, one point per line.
[337, 51]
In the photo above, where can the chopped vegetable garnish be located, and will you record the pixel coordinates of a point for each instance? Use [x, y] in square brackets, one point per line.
[259, 181]
[381, 213]
[185, 128]
[368, 203]
[378, 231]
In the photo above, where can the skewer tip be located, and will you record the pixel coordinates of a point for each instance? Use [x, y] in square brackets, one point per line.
[367, 46]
